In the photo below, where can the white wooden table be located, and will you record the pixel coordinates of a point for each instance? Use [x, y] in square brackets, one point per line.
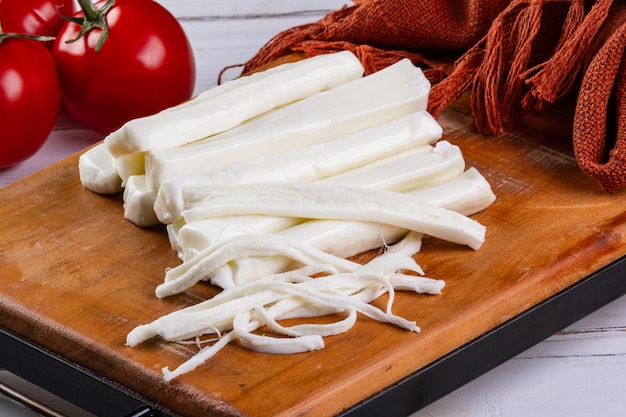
[580, 371]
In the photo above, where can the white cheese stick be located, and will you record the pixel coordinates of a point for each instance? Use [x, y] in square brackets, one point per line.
[337, 155]
[313, 162]
[406, 170]
[234, 102]
[130, 164]
[386, 95]
[467, 194]
[314, 200]
[188, 239]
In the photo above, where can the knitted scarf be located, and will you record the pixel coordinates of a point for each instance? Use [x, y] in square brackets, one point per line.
[513, 56]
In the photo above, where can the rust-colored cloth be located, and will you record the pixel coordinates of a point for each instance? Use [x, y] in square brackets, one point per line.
[600, 118]
[380, 32]
[514, 56]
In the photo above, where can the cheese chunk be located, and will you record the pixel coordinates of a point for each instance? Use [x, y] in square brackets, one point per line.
[97, 171]
[138, 202]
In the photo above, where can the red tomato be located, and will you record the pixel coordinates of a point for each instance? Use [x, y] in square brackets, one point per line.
[29, 98]
[34, 17]
[145, 65]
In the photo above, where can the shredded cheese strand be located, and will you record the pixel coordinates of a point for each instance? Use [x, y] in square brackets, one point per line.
[238, 246]
[264, 301]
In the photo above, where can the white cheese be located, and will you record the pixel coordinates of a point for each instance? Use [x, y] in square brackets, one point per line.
[407, 170]
[467, 194]
[391, 93]
[138, 202]
[234, 102]
[129, 164]
[313, 200]
[193, 237]
[337, 155]
[97, 171]
[347, 159]
[402, 172]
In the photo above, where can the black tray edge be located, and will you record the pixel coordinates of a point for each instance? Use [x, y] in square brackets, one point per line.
[502, 343]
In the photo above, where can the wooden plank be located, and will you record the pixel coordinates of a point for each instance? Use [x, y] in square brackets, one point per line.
[571, 387]
[76, 277]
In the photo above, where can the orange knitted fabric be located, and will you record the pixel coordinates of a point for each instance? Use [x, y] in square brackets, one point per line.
[514, 56]
[600, 117]
[381, 32]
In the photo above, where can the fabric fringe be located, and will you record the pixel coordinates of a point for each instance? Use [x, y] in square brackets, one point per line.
[555, 78]
[499, 70]
[443, 94]
[284, 42]
[532, 54]
[575, 16]
[505, 83]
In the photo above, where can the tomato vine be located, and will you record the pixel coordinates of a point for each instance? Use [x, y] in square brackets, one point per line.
[93, 18]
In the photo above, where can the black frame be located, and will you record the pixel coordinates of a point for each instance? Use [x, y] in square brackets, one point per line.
[69, 381]
[426, 385]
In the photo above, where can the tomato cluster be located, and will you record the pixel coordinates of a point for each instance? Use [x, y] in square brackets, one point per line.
[107, 62]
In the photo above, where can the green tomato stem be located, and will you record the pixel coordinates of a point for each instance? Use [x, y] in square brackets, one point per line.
[89, 9]
[4, 36]
[94, 18]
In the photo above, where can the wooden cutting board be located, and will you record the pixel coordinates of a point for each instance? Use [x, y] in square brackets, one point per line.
[75, 278]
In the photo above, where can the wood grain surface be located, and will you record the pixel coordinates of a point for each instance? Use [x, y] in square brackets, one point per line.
[77, 278]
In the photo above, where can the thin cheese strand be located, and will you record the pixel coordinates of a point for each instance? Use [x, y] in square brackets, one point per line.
[238, 246]
[264, 292]
[265, 344]
[340, 292]
[199, 358]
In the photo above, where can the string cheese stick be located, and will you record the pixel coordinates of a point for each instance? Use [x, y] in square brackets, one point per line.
[314, 200]
[403, 171]
[467, 194]
[234, 102]
[386, 95]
